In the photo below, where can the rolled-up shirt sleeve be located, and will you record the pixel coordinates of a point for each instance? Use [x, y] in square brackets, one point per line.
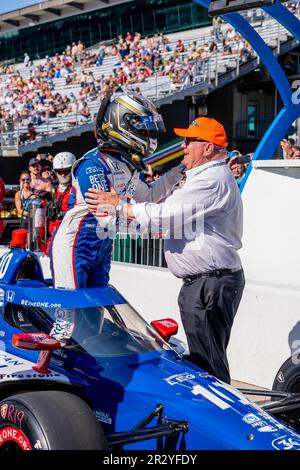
[184, 206]
[160, 189]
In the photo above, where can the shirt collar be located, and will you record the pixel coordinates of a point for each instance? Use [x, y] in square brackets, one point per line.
[193, 171]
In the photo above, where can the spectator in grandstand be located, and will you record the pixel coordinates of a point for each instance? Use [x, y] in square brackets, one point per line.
[26, 59]
[22, 198]
[80, 48]
[216, 28]
[29, 136]
[101, 55]
[52, 111]
[74, 52]
[126, 129]
[204, 256]
[36, 118]
[84, 111]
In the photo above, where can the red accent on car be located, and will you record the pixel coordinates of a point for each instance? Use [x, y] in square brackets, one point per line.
[166, 327]
[37, 342]
[19, 238]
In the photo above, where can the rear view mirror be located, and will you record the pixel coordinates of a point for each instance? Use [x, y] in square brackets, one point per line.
[37, 342]
[166, 327]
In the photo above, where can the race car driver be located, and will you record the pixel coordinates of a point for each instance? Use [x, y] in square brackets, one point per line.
[126, 129]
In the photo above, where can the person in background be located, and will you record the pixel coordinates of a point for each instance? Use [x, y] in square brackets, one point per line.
[61, 202]
[36, 181]
[30, 135]
[26, 59]
[158, 171]
[293, 152]
[287, 146]
[47, 172]
[237, 169]
[148, 174]
[22, 198]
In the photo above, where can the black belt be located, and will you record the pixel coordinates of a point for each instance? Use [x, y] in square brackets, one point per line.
[216, 273]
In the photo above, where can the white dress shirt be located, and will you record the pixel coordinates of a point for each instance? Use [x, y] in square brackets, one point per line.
[203, 221]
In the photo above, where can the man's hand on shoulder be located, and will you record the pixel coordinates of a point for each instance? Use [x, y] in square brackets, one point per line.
[101, 202]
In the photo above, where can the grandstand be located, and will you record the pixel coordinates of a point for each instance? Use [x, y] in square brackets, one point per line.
[189, 65]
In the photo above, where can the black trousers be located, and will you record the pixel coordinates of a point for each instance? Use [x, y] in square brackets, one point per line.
[208, 306]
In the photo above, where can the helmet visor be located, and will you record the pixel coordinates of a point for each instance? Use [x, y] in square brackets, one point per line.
[152, 123]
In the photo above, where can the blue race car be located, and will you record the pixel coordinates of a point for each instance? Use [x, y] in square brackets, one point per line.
[81, 369]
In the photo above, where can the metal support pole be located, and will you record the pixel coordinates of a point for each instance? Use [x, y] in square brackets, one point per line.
[278, 39]
[216, 74]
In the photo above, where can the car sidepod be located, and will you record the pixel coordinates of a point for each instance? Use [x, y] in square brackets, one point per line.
[218, 416]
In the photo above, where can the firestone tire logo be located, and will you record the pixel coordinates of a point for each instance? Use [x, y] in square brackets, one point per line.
[3, 411]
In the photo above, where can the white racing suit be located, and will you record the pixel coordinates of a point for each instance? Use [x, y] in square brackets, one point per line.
[81, 248]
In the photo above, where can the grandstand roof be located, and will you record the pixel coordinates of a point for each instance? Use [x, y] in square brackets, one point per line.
[49, 10]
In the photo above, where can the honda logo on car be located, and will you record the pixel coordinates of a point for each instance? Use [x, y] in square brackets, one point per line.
[10, 295]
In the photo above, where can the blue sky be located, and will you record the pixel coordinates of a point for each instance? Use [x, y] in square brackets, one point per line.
[15, 4]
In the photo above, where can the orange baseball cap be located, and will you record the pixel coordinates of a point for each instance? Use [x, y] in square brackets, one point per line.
[206, 129]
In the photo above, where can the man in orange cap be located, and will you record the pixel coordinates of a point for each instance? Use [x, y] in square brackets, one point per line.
[203, 220]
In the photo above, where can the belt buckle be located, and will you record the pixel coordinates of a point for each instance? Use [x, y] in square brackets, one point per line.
[187, 280]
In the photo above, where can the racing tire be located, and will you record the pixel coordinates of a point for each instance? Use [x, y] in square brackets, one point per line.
[288, 380]
[288, 377]
[48, 420]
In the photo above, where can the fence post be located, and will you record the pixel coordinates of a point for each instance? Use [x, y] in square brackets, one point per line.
[278, 39]
[216, 75]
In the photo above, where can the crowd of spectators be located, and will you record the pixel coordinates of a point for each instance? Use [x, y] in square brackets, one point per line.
[34, 100]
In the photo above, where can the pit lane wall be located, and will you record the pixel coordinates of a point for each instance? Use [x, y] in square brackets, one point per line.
[267, 326]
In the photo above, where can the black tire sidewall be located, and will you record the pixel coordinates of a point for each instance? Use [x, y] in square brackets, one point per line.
[288, 377]
[53, 420]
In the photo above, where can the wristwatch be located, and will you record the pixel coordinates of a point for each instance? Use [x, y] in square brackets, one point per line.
[119, 207]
